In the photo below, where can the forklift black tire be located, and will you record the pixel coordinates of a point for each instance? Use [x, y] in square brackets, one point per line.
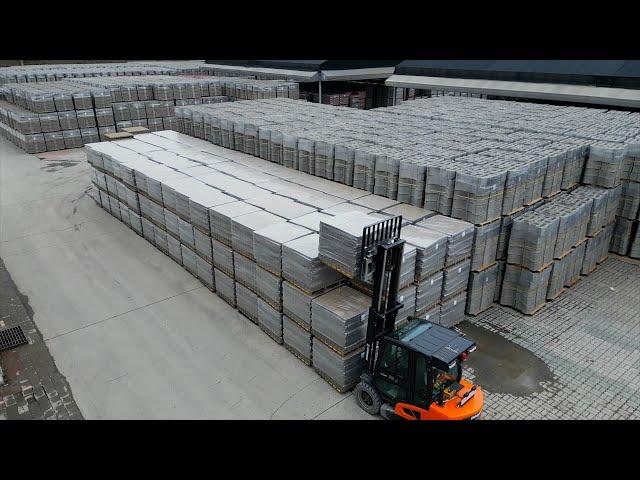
[368, 398]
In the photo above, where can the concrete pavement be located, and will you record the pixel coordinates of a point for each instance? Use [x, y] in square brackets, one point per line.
[136, 336]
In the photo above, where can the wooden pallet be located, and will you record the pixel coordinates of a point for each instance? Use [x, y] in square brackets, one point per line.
[244, 255]
[228, 273]
[298, 355]
[223, 241]
[574, 282]
[569, 187]
[336, 267]
[247, 315]
[272, 272]
[202, 230]
[482, 268]
[133, 188]
[481, 311]
[208, 260]
[554, 297]
[270, 302]
[317, 293]
[335, 386]
[151, 199]
[487, 222]
[361, 286]
[273, 337]
[544, 267]
[534, 201]
[551, 195]
[298, 321]
[328, 343]
[536, 310]
[513, 212]
[156, 224]
[226, 299]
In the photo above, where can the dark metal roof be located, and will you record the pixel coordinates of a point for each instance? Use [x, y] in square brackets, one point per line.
[435, 341]
[606, 73]
[309, 65]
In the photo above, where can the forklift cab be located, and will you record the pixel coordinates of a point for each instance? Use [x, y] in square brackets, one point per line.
[418, 374]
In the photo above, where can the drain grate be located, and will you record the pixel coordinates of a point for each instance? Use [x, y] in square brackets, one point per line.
[12, 337]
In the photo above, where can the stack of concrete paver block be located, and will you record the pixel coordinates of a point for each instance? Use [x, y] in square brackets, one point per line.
[270, 320]
[244, 226]
[454, 156]
[83, 105]
[268, 253]
[482, 289]
[338, 322]
[339, 318]
[55, 72]
[556, 243]
[296, 339]
[246, 302]
[225, 287]
[459, 237]
[250, 181]
[341, 241]
[431, 248]
[407, 297]
[457, 265]
[302, 266]
[68, 114]
[628, 213]
[634, 250]
[341, 371]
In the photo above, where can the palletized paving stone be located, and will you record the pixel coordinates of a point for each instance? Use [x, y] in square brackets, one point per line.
[270, 320]
[301, 264]
[341, 241]
[459, 234]
[297, 338]
[225, 287]
[340, 317]
[342, 371]
[267, 244]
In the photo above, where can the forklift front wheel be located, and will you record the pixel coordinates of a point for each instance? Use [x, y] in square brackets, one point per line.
[368, 398]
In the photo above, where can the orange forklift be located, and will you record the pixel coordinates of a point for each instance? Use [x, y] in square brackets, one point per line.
[414, 372]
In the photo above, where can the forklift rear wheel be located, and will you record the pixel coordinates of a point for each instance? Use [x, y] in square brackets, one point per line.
[368, 398]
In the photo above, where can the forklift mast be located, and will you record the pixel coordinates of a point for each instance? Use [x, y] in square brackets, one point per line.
[382, 251]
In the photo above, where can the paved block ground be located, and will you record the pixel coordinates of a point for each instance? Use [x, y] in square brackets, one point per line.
[136, 336]
[578, 358]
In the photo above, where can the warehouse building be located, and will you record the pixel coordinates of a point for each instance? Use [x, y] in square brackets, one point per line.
[353, 83]
[597, 83]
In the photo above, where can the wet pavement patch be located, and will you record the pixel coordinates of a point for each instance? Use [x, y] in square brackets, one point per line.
[52, 166]
[501, 366]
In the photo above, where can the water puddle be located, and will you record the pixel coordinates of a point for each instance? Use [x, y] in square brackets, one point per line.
[502, 366]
